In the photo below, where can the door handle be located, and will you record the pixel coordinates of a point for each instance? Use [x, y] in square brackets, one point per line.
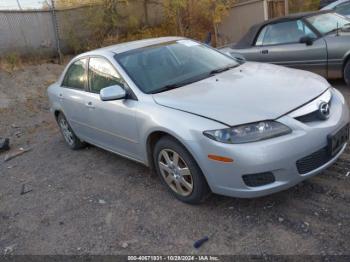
[264, 52]
[60, 97]
[90, 105]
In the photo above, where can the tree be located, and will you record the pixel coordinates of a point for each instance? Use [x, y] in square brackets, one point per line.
[195, 18]
[61, 4]
[296, 6]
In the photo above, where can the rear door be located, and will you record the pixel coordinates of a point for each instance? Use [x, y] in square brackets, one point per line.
[73, 97]
[279, 43]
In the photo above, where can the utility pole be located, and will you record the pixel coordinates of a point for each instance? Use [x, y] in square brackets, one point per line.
[56, 30]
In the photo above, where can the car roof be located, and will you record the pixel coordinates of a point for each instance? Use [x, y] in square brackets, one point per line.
[128, 46]
[248, 39]
[292, 17]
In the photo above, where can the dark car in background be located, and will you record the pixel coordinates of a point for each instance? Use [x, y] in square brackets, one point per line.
[324, 3]
[318, 42]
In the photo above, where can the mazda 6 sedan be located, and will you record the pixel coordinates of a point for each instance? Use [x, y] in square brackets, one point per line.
[318, 42]
[204, 122]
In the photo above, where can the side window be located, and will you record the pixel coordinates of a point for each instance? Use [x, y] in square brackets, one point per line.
[260, 39]
[305, 29]
[76, 75]
[102, 74]
[284, 33]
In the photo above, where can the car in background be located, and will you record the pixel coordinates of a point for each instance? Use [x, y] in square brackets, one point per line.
[324, 3]
[203, 121]
[341, 7]
[318, 42]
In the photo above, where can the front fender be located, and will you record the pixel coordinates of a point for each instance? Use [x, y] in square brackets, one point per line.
[187, 128]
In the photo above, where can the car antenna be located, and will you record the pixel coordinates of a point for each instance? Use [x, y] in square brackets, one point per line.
[337, 29]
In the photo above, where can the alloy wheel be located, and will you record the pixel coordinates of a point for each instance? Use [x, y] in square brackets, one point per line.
[175, 172]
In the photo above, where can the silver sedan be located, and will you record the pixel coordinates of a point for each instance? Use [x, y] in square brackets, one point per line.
[203, 121]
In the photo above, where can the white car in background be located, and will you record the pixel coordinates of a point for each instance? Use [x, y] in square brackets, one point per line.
[341, 7]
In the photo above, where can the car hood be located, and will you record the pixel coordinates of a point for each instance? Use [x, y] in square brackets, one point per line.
[249, 93]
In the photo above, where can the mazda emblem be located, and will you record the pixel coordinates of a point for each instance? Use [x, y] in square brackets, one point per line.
[323, 111]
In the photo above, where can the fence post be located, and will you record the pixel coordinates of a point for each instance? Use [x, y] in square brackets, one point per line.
[266, 10]
[286, 7]
[56, 30]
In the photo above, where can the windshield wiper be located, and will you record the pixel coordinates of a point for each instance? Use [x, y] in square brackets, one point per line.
[223, 69]
[333, 31]
[177, 85]
[338, 29]
[166, 88]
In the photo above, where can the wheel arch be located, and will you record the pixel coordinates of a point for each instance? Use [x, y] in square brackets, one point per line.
[346, 60]
[154, 137]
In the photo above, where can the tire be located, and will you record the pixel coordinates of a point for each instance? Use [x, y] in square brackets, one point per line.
[347, 72]
[68, 134]
[179, 171]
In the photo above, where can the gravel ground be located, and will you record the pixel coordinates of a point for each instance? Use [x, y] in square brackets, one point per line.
[94, 202]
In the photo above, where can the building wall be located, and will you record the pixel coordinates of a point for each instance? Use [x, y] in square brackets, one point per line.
[240, 19]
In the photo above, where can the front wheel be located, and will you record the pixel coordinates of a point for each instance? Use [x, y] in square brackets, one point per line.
[179, 171]
[347, 73]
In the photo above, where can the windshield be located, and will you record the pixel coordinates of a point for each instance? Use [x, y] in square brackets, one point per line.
[171, 65]
[329, 22]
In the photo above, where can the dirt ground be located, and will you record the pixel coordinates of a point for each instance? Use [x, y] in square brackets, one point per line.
[94, 202]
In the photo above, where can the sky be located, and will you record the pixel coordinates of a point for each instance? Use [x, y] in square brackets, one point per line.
[24, 4]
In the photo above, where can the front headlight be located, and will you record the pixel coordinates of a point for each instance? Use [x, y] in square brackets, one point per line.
[249, 132]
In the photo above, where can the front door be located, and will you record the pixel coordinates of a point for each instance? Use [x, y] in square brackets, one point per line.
[279, 43]
[113, 122]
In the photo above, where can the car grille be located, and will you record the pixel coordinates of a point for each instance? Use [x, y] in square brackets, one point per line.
[313, 161]
[261, 179]
[309, 117]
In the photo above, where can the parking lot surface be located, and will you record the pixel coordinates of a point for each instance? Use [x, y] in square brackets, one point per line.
[57, 201]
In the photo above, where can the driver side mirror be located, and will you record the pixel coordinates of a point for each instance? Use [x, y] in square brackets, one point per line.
[110, 93]
[307, 40]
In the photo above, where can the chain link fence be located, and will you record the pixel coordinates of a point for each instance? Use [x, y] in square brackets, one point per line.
[27, 32]
[41, 28]
[46, 30]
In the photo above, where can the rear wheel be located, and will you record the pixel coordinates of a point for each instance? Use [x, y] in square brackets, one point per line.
[68, 134]
[347, 73]
[179, 171]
